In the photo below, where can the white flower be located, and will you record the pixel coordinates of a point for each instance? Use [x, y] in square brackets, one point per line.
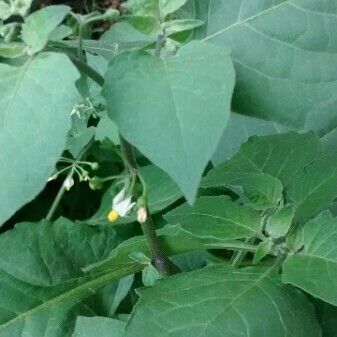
[121, 206]
[68, 183]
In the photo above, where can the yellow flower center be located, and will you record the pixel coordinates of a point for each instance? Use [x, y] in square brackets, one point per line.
[113, 216]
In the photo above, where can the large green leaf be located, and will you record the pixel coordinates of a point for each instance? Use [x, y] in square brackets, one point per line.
[237, 132]
[98, 326]
[314, 268]
[222, 301]
[314, 188]
[38, 26]
[184, 100]
[281, 156]
[217, 217]
[47, 254]
[284, 52]
[33, 106]
[28, 310]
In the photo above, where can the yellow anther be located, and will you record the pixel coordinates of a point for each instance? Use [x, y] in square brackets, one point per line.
[113, 216]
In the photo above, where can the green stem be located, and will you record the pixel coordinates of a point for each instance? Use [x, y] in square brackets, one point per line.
[159, 260]
[159, 44]
[239, 256]
[59, 196]
[62, 190]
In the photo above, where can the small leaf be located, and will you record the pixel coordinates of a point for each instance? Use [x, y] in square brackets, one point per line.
[176, 26]
[150, 275]
[106, 128]
[314, 268]
[263, 249]
[173, 93]
[170, 6]
[221, 301]
[38, 26]
[11, 49]
[278, 224]
[98, 326]
[217, 217]
[314, 188]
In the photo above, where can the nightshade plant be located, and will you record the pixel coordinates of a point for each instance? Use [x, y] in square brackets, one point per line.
[172, 175]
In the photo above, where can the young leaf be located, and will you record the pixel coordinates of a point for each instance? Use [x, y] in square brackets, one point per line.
[314, 268]
[223, 301]
[176, 26]
[38, 26]
[279, 66]
[314, 188]
[33, 106]
[48, 254]
[278, 224]
[170, 6]
[217, 217]
[263, 249]
[98, 326]
[11, 49]
[190, 94]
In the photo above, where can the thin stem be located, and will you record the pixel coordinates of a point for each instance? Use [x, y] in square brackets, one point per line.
[159, 260]
[159, 44]
[59, 195]
[239, 256]
[62, 190]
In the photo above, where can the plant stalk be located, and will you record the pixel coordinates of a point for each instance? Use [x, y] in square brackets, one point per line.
[159, 260]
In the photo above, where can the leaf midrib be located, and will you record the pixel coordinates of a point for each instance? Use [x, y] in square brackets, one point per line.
[238, 23]
[105, 279]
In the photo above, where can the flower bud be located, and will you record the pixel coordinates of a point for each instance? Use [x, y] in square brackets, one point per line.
[68, 183]
[95, 183]
[142, 215]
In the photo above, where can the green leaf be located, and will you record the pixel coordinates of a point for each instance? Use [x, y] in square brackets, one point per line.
[33, 106]
[314, 188]
[98, 326]
[314, 268]
[221, 301]
[285, 72]
[239, 128]
[106, 128]
[162, 192]
[48, 254]
[28, 310]
[279, 223]
[217, 217]
[176, 26]
[5, 10]
[263, 249]
[38, 26]
[281, 155]
[126, 37]
[170, 6]
[11, 49]
[173, 98]
[150, 275]
[262, 190]
[327, 316]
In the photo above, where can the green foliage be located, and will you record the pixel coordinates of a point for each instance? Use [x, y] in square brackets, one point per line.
[109, 120]
[197, 71]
